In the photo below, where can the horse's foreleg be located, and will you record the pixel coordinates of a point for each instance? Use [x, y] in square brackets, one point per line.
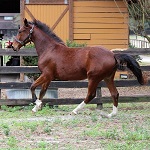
[40, 81]
[44, 89]
[91, 94]
[114, 95]
[38, 102]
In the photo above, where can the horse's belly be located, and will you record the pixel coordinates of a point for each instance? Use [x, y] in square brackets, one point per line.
[72, 75]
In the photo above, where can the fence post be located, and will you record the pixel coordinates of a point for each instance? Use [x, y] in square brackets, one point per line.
[0, 74]
[99, 95]
[21, 74]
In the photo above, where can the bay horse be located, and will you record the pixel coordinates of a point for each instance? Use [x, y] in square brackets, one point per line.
[57, 61]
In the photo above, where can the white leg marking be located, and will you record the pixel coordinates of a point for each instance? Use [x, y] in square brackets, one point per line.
[79, 107]
[37, 106]
[114, 112]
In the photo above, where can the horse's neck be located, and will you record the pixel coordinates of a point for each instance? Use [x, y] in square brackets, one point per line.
[43, 42]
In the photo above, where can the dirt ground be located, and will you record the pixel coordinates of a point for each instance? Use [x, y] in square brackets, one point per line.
[86, 131]
[53, 129]
[81, 93]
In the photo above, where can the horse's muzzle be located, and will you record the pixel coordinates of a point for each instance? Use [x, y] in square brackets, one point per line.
[14, 48]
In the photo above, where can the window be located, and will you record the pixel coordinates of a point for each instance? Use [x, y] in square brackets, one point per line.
[8, 18]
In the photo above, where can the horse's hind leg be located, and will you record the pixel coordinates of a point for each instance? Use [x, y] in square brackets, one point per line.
[42, 80]
[114, 95]
[92, 85]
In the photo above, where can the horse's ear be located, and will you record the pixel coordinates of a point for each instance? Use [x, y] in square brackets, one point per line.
[25, 22]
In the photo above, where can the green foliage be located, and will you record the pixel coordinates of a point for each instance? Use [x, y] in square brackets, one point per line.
[94, 117]
[30, 126]
[10, 109]
[42, 145]
[6, 129]
[31, 61]
[30, 45]
[75, 44]
[137, 133]
[126, 146]
[12, 142]
[47, 128]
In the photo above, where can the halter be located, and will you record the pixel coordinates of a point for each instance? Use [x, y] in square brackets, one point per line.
[27, 38]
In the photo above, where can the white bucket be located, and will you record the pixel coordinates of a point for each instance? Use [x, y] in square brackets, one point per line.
[26, 93]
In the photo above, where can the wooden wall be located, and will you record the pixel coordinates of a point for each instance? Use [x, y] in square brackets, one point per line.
[94, 22]
[101, 23]
[49, 13]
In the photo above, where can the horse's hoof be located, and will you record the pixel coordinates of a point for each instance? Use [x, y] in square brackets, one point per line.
[33, 112]
[35, 109]
[109, 115]
[73, 113]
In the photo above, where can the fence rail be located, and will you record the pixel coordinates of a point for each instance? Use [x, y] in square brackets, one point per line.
[65, 84]
[32, 51]
[140, 43]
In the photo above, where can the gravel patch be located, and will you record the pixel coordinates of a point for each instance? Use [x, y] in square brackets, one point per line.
[123, 91]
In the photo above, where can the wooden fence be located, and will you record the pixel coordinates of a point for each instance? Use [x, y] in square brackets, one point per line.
[65, 84]
[140, 43]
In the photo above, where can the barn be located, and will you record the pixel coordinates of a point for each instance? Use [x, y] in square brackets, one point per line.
[94, 22]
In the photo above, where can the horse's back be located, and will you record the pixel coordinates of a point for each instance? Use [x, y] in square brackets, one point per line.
[95, 54]
[93, 61]
[79, 63]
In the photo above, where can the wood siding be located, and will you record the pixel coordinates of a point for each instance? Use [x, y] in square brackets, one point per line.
[101, 23]
[90, 21]
[49, 15]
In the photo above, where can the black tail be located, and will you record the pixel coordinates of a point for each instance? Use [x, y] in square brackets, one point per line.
[132, 64]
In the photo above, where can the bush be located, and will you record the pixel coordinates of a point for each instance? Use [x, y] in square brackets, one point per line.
[75, 44]
[31, 61]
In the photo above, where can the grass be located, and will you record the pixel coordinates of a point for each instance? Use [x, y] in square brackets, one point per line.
[55, 129]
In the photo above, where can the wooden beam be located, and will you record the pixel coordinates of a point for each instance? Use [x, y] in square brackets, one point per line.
[18, 69]
[47, 2]
[60, 17]
[29, 13]
[68, 101]
[32, 51]
[133, 51]
[22, 52]
[69, 84]
[71, 20]
[22, 5]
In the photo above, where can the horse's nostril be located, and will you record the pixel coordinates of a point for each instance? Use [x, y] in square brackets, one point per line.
[13, 48]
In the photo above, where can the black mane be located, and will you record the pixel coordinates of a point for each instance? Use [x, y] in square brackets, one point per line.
[48, 31]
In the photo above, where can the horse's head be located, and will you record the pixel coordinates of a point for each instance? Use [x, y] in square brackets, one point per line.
[24, 35]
